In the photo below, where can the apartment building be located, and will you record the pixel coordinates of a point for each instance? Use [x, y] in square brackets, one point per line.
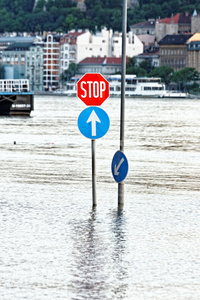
[68, 49]
[24, 60]
[51, 62]
[147, 27]
[94, 45]
[134, 46]
[106, 44]
[173, 51]
[178, 24]
[151, 54]
[193, 52]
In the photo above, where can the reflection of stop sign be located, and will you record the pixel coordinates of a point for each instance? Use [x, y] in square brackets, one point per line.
[93, 89]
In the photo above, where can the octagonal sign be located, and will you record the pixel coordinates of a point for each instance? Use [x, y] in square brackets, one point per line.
[93, 89]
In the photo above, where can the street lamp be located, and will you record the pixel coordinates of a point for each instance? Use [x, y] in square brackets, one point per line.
[32, 75]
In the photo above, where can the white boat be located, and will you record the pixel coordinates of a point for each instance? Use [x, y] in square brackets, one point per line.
[145, 87]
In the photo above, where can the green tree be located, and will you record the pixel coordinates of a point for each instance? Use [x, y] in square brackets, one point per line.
[70, 22]
[70, 72]
[146, 65]
[137, 71]
[164, 72]
[185, 76]
[132, 68]
[40, 5]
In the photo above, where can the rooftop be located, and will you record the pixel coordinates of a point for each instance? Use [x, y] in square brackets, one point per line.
[175, 39]
[149, 23]
[102, 60]
[16, 39]
[179, 18]
[19, 46]
[194, 38]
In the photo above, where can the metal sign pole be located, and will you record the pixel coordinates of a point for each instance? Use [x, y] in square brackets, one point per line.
[122, 121]
[94, 200]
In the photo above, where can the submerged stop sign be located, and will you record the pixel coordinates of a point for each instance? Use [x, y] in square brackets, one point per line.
[93, 89]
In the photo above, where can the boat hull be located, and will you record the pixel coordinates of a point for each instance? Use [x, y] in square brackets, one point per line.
[16, 103]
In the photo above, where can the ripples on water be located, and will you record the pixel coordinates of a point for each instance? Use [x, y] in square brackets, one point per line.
[53, 246]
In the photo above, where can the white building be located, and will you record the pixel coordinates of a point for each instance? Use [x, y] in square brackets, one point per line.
[94, 45]
[68, 49]
[106, 44]
[133, 45]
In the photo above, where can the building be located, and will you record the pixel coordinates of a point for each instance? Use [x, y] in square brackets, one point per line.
[151, 54]
[106, 44]
[51, 62]
[103, 65]
[195, 22]
[173, 51]
[147, 40]
[80, 4]
[193, 52]
[24, 61]
[68, 49]
[134, 46]
[6, 41]
[147, 27]
[178, 24]
[59, 51]
[94, 45]
[132, 3]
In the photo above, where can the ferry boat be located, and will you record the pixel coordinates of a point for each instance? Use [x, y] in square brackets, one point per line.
[15, 97]
[145, 87]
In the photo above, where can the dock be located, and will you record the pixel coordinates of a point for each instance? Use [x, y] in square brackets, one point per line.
[15, 97]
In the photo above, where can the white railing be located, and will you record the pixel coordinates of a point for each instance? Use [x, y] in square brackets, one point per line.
[11, 85]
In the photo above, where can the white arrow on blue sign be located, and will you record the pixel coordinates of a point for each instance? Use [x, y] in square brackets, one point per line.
[93, 122]
[119, 166]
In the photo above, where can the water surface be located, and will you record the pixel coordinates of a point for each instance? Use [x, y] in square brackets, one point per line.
[54, 246]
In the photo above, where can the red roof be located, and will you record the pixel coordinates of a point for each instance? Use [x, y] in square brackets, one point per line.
[173, 19]
[74, 33]
[115, 60]
[93, 60]
[102, 60]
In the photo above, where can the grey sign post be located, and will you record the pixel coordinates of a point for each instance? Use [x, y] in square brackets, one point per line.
[122, 120]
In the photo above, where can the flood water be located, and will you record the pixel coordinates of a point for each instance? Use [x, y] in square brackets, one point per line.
[54, 246]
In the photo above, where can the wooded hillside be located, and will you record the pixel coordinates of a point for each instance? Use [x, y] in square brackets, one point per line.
[63, 15]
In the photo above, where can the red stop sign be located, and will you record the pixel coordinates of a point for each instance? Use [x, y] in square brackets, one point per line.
[93, 89]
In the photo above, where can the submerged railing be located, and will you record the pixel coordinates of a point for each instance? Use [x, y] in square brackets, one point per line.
[14, 85]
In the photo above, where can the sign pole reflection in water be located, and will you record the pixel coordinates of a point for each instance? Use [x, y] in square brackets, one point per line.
[94, 195]
[122, 123]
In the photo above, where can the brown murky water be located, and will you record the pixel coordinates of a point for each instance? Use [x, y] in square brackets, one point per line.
[54, 246]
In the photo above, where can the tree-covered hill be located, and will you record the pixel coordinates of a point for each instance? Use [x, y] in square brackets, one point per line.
[63, 15]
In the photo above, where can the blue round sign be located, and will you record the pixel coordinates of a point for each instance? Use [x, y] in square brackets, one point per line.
[119, 166]
[93, 122]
